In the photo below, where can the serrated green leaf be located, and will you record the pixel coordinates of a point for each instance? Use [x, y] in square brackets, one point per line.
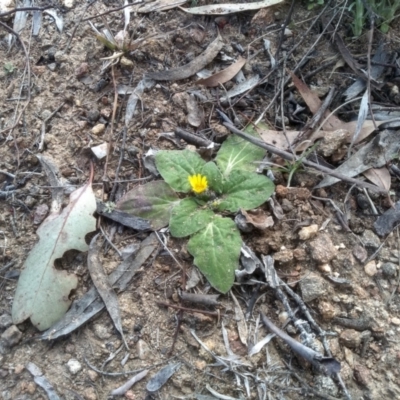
[245, 190]
[216, 251]
[175, 166]
[237, 153]
[214, 176]
[187, 218]
[152, 201]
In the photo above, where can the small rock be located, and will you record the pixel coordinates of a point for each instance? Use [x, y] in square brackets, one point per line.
[327, 310]
[74, 366]
[18, 369]
[350, 338]
[93, 115]
[361, 375]
[31, 388]
[395, 321]
[40, 214]
[12, 336]
[312, 286]
[143, 349]
[299, 254]
[284, 256]
[100, 151]
[322, 249]
[287, 205]
[370, 239]
[348, 356]
[388, 270]
[360, 253]
[325, 384]
[308, 232]
[68, 3]
[5, 321]
[99, 128]
[90, 393]
[102, 332]
[325, 268]
[93, 375]
[370, 268]
[82, 70]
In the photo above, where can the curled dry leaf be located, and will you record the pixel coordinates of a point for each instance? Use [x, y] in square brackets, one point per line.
[223, 76]
[258, 219]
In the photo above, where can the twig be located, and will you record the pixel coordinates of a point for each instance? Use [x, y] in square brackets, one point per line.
[191, 310]
[287, 156]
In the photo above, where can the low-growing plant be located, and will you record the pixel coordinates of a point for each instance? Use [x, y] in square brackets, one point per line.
[208, 193]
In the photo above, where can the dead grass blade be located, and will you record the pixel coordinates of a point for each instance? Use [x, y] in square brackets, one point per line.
[102, 284]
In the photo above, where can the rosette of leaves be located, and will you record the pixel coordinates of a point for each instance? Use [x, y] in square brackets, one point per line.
[233, 184]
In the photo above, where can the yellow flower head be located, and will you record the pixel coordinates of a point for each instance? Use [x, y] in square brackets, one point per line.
[198, 183]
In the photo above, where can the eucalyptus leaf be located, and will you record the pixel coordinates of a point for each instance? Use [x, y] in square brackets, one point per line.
[152, 201]
[175, 166]
[237, 153]
[43, 291]
[187, 218]
[245, 190]
[216, 251]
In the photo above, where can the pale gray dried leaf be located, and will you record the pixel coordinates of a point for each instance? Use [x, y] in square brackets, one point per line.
[36, 22]
[127, 385]
[258, 346]
[161, 377]
[158, 5]
[362, 115]
[191, 68]
[58, 19]
[241, 87]
[195, 113]
[90, 304]
[375, 154]
[135, 97]
[380, 57]
[43, 291]
[103, 286]
[222, 9]
[219, 395]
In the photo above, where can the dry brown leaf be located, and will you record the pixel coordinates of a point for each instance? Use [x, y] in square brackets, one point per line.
[258, 218]
[223, 76]
[314, 103]
[380, 177]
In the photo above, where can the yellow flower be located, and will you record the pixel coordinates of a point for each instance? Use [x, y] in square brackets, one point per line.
[198, 183]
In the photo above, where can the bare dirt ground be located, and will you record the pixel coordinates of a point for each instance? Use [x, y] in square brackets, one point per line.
[349, 294]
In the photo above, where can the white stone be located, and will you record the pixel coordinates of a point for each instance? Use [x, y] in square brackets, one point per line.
[370, 268]
[74, 366]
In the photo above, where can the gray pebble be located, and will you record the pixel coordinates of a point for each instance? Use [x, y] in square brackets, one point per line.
[370, 239]
[389, 270]
[12, 336]
[5, 321]
[312, 286]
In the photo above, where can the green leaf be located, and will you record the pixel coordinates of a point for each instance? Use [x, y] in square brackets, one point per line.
[214, 176]
[43, 291]
[175, 166]
[187, 218]
[152, 201]
[245, 190]
[216, 251]
[237, 153]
